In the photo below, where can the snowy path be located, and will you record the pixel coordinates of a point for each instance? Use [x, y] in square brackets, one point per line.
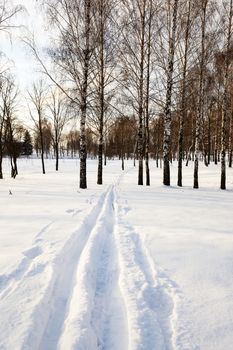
[99, 292]
[113, 267]
[135, 313]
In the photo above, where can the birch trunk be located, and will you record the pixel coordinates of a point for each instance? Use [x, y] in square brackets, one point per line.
[183, 98]
[200, 98]
[148, 98]
[167, 109]
[83, 107]
[42, 143]
[102, 82]
[141, 88]
[230, 140]
[225, 101]
[1, 150]
[57, 154]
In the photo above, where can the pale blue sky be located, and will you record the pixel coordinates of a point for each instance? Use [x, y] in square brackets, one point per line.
[24, 66]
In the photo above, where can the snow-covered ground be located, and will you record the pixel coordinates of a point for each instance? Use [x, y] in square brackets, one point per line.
[118, 266]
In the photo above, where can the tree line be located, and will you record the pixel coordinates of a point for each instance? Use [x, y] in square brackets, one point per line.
[147, 79]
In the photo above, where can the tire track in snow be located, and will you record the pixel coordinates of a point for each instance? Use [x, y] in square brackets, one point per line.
[96, 317]
[149, 297]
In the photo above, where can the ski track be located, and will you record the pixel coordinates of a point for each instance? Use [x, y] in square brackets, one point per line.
[150, 296]
[50, 314]
[92, 314]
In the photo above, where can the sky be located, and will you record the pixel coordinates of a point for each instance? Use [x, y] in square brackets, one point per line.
[18, 56]
[23, 64]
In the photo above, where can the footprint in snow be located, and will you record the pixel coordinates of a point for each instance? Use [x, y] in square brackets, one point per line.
[69, 211]
[73, 211]
[126, 210]
[33, 252]
[38, 268]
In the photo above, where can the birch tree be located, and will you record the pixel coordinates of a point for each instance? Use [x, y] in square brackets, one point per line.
[230, 145]
[71, 55]
[37, 99]
[104, 63]
[183, 92]
[2, 124]
[135, 66]
[9, 101]
[147, 98]
[226, 98]
[59, 115]
[7, 13]
[167, 108]
[200, 106]
[84, 93]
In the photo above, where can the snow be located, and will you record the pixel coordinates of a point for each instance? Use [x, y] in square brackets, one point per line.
[117, 266]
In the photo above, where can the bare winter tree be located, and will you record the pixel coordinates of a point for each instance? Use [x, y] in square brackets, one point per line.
[135, 50]
[230, 143]
[104, 64]
[200, 105]
[38, 97]
[86, 52]
[226, 98]
[9, 95]
[183, 91]
[59, 112]
[2, 124]
[71, 54]
[167, 109]
[7, 13]
[147, 97]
